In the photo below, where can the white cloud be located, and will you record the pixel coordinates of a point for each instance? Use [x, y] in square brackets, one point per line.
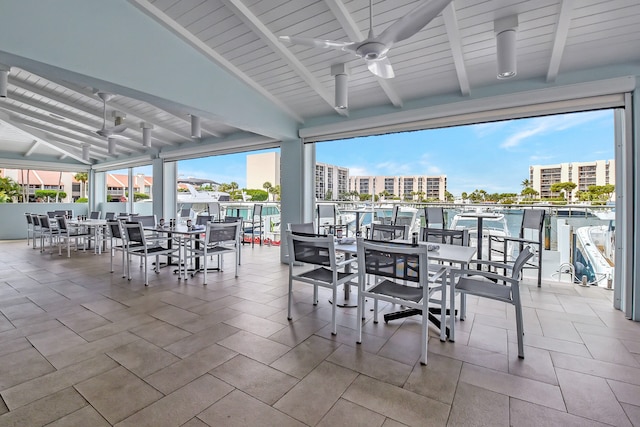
[358, 171]
[547, 124]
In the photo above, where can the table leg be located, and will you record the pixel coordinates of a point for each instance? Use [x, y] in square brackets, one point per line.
[349, 300]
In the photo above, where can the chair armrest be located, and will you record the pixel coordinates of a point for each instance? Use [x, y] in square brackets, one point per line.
[502, 239]
[436, 274]
[488, 263]
[485, 274]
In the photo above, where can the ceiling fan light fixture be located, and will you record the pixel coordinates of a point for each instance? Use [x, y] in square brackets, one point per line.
[86, 152]
[341, 75]
[146, 134]
[196, 131]
[4, 80]
[505, 29]
[111, 146]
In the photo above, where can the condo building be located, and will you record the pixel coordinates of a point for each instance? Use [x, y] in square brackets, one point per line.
[583, 174]
[405, 187]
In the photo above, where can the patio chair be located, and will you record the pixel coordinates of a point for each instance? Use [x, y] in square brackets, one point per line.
[530, 235]
[220, 238]
[35, 219]
[138, 245]
[398, 274]
[110, 216]
[204, 219]
[305, 227]
[384, 232]
[254, 223]
[320, 253]
[47, 231]
[117, 242]
[29, 227]
[449, 237]
[94, 215]
[68, 233]
[434, 217]
[487, 284]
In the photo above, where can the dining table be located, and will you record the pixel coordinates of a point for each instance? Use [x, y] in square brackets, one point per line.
[97, 226]
[448, 255]
[184, 233]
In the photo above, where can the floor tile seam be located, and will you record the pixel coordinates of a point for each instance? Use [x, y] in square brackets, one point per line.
[586, 417]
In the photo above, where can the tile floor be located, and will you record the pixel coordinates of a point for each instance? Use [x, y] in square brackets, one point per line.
[80, 346]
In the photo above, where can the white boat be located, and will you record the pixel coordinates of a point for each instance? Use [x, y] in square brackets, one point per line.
[594, 252]
[494, 224]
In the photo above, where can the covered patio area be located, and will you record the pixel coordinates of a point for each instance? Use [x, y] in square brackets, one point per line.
[82, 346]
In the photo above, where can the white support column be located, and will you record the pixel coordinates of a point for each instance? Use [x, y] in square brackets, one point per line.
[130, 194]
[157, 193]
[97, 189]
[297, 164]
[631, 159]
[169, 189]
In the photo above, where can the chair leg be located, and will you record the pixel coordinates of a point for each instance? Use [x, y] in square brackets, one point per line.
[463, 306]
[443, 311]
[424, 336]
[333, 310]
[204, 263]
[375, 310]
[146, 271]
[315, 294]
[235, 261]
[359, 316]
[290, 297]
[452, 305]
[519, 329]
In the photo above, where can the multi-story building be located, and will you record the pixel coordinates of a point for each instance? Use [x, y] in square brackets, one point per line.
[406, 187]
[583, 174]
[117, 184]
[261, 168]
[330, 181]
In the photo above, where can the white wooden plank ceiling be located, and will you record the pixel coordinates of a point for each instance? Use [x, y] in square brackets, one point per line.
[454, 54]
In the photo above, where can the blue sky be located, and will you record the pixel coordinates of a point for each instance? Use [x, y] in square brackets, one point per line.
[494, 156]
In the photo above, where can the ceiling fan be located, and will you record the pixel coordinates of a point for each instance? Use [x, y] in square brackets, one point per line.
[375, 48]
[113, 131]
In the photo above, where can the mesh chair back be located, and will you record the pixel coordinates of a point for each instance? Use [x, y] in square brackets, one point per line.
[62, 224]
[44, 222]
[214, 210]
[223, 232]
[449, 237]
[134, 232]
[60, 213]
[114, 229]
[185, 213]
[29, 218]
[387, 232]
[51, 214]
[35, 219]
[257, 210]
[203, 219]
[532, 219]
[109, 216]
[384, 260]
[434, 216]
[305, 227]
[146, 220]
[94, 215]
[312, 249]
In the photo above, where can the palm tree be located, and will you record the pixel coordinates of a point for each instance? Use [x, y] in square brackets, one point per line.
[525, 183]
[82, 178]
[267, 186]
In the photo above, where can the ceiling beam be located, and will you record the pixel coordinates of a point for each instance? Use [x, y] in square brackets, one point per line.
[144, 118]
[560, 39]
[80, 135]
[31, 149]
[211, 54]
[96, 120]
[353, 32]
[261, 30]
[42, 138]
[455, 42]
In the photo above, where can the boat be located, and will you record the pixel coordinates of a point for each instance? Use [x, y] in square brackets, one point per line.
[494, 224]
[594, 252]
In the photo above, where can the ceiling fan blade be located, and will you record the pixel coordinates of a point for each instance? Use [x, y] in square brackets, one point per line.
[381, 68]
[413, 22]
[326, 44]
[117, 129]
